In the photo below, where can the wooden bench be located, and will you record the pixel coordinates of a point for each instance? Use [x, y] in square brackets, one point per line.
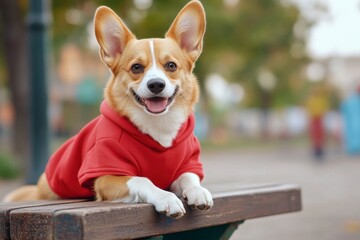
[81, 219]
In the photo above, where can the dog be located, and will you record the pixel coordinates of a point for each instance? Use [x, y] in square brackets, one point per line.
[141, 148]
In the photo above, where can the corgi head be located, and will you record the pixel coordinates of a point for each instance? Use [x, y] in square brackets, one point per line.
[152, 82]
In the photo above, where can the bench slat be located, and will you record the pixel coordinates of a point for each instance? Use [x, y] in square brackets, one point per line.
[6, 208]
[38, 222]
[104, 220]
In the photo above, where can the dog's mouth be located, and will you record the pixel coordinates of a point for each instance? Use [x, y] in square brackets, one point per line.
[155, 104]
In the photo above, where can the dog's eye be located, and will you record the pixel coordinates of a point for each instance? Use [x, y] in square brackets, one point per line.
[137, 68]
[170, 66]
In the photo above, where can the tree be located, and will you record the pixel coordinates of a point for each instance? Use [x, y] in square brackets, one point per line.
[16, 58]
[254, 37]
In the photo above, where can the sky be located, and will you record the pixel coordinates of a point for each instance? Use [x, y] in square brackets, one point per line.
[336, 33]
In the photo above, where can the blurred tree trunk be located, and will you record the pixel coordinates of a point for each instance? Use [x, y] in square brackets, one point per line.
[16, 57]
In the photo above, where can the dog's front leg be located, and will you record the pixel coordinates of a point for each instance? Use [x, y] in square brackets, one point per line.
[138, 189]
[188, 186]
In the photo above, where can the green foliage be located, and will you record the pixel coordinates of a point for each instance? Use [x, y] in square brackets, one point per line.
[8, 169]
[253, 36]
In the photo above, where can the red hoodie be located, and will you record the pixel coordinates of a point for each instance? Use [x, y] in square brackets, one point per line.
[112, 145]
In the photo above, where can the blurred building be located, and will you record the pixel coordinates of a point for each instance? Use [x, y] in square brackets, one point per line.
[343, 73]
[77, 89]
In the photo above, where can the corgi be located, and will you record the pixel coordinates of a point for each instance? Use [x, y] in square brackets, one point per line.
[141, 148]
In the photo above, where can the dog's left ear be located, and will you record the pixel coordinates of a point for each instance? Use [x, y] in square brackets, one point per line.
[188, 29]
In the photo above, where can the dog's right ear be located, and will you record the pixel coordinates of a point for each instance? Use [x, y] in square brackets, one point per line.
[188, 29]
[111, 34]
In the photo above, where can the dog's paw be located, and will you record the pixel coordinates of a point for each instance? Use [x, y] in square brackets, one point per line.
[198, 197]
[169, 204]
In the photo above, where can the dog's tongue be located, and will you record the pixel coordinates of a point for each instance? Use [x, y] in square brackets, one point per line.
[156, 104]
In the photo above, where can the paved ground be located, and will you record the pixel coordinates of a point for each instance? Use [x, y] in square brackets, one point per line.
[331, 191]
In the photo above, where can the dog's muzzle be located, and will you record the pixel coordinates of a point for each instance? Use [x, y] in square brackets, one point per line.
[156, 104]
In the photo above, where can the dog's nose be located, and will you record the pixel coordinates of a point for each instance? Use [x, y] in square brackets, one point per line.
[156, 85]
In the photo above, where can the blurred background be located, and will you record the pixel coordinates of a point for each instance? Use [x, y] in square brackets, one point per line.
[280, 97]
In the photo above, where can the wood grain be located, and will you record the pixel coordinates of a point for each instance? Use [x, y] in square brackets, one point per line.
[38, 222]
[120, 221]
[6, 208]
[104, 220]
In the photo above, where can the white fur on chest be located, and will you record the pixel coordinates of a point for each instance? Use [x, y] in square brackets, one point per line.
[162, 128]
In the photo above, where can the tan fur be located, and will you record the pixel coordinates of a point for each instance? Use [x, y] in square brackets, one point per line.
[32, 192]
[119, 50]
[106, 52]
[24, 193]
[44, 189]
[116, 91]
[176, 33]
[166, 49]
[111, 187]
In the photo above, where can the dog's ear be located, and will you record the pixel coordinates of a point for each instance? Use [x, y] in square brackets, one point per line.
[111, 34]
[188, 29]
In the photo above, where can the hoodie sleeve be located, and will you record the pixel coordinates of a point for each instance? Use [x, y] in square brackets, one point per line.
[192, 163]
[106, 157]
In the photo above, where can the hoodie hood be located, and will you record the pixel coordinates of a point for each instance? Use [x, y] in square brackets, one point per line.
[124, 123]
